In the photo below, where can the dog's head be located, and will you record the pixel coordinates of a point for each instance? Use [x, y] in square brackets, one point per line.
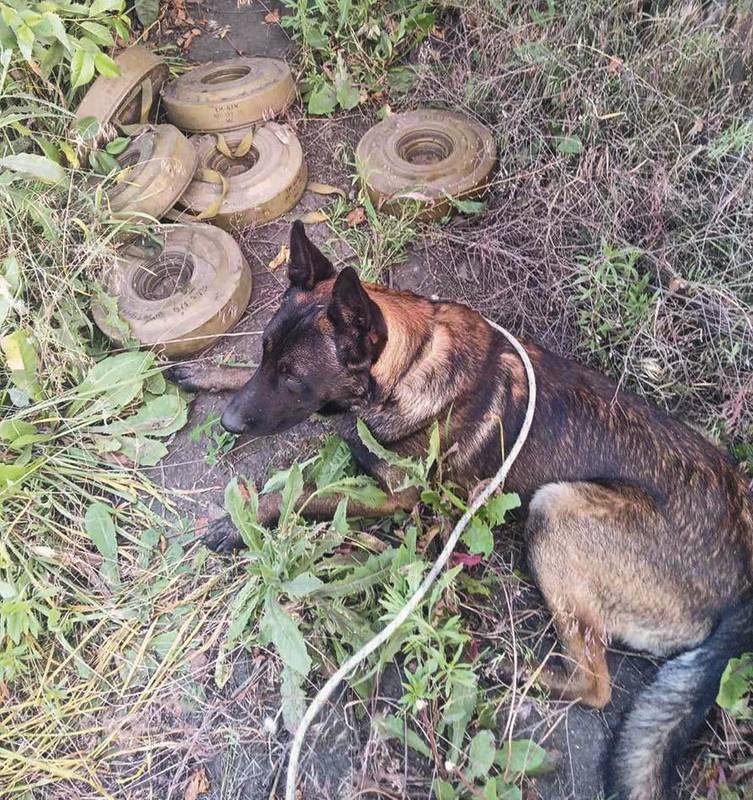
[318, 348]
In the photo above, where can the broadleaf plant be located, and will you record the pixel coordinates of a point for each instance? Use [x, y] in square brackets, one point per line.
[325, 582]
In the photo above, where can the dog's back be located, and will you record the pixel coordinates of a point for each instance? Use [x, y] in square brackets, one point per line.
[451, 366]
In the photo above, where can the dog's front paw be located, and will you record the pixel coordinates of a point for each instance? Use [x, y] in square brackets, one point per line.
[203, 377]
[185, 375]
[222, 536]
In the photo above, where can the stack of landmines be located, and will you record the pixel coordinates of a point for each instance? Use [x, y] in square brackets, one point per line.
[221, 159]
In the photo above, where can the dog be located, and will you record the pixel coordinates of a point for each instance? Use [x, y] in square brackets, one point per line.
[638, 529]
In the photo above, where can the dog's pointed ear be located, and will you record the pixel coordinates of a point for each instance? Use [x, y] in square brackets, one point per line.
[358, 322]
[307, 264]
[350, 307]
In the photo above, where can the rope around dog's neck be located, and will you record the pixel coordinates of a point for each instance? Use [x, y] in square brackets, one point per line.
[329, 687]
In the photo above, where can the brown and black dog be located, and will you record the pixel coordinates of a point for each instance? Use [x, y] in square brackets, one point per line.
[638, 529]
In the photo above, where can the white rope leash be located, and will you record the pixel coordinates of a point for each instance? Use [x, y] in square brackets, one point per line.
[329, 687]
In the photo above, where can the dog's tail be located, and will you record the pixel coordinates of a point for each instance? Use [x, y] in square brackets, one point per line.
[657, 730]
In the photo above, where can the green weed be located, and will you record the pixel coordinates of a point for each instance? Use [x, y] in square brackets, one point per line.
[79, 562]
[615, 301]
[734, 141]
[322, 583]
[381, 242]
[218, 441]
[62, 42]
[736, 687]
[349, 47]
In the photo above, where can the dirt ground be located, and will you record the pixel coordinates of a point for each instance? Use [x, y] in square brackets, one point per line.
[233, 734]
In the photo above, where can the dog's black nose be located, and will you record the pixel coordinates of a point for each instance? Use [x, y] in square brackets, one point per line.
[231, 423]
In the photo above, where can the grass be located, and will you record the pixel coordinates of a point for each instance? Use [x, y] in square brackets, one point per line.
[90, 574]
[135, 663]
[349, 50]
[619, 131]
[377, 246]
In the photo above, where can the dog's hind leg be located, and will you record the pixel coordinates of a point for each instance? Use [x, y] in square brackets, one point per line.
[582, 541]
[585, 674]
[610, 565]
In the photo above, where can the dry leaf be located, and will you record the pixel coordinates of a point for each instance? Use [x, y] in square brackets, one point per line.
[280, 259]
[356, 217]
[197, 784]
[369, 541]
[273, 17]
[615, 65]
[197, 661]
[437, 33]
[4, 693]
[677, 284]
[44, 552]
[313, 217]
[697, 127]
[423, 544]
[117, 458]
[324, 188]
[187, 40]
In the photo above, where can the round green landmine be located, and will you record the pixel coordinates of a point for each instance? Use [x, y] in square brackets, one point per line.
[245, 177]
[158, 165]
[425, 158]
[177, 297]
[226, 95]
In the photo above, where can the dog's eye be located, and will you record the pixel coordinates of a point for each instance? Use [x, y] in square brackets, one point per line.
[293, 384]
